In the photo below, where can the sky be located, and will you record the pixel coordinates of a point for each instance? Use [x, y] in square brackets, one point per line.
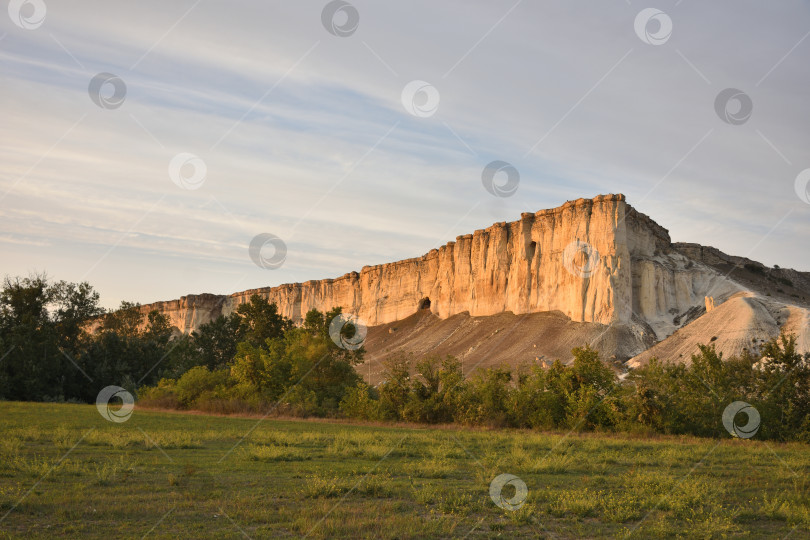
[145, 145]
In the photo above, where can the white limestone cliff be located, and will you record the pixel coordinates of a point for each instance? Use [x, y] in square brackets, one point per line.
[519, 267]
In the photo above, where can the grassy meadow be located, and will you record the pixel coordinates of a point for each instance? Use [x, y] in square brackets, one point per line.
[66, 472]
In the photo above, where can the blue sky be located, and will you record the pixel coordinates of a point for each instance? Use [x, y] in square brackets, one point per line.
[304, 134]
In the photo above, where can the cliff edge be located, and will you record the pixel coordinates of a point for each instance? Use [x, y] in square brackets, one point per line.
[593, 261]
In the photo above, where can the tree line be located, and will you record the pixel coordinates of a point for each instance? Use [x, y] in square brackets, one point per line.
[588, 394]
[255, 360]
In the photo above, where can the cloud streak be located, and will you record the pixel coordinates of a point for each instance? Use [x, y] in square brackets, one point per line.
[281, 111]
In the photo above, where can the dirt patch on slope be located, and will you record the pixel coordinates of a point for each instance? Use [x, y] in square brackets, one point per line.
[740, 324]
[505, 338]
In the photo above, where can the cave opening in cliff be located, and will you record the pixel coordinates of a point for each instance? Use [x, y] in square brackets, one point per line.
[530, 250]
[424, 303]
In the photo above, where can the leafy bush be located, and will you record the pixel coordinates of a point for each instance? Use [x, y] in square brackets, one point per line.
[395, 388]
[297, 371]
[199, 382]
[359, 402]
[161, 396]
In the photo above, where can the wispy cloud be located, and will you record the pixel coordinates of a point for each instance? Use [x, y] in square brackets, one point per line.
[279, 122]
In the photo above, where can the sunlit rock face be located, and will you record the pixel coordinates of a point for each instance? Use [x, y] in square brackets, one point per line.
[593, 260]
[519, 266]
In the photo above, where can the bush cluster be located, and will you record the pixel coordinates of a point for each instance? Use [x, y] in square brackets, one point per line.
[588, 394]
[255, 360]
[270, 366]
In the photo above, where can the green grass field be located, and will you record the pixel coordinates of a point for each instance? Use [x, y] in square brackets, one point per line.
[66, 472]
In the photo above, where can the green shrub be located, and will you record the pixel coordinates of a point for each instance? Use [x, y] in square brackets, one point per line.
[162, 396]
[299, 401]
[485, 402]
[199, 382]
[395, 388]
[359, 402]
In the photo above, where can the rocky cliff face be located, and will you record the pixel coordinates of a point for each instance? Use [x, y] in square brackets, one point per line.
[522, 267]
[595, 261]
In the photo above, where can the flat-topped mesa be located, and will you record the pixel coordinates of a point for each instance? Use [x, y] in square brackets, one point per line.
[518, 266]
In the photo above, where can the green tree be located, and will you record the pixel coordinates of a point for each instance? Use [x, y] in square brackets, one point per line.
[260, 320]
[425, 403]
[74, 304]
[590, 403]
[302, 368]
[41, 332]
[129, 350]
[215, 342]
[125, 321]
[487, 397]
[32, 367]
[360, 402]
[199, 383]
[650, 397]
[532, 404]
[317, 323]
[452, 388]
[782, 393]
[268, 369]
[395, 388]
[320, 366]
